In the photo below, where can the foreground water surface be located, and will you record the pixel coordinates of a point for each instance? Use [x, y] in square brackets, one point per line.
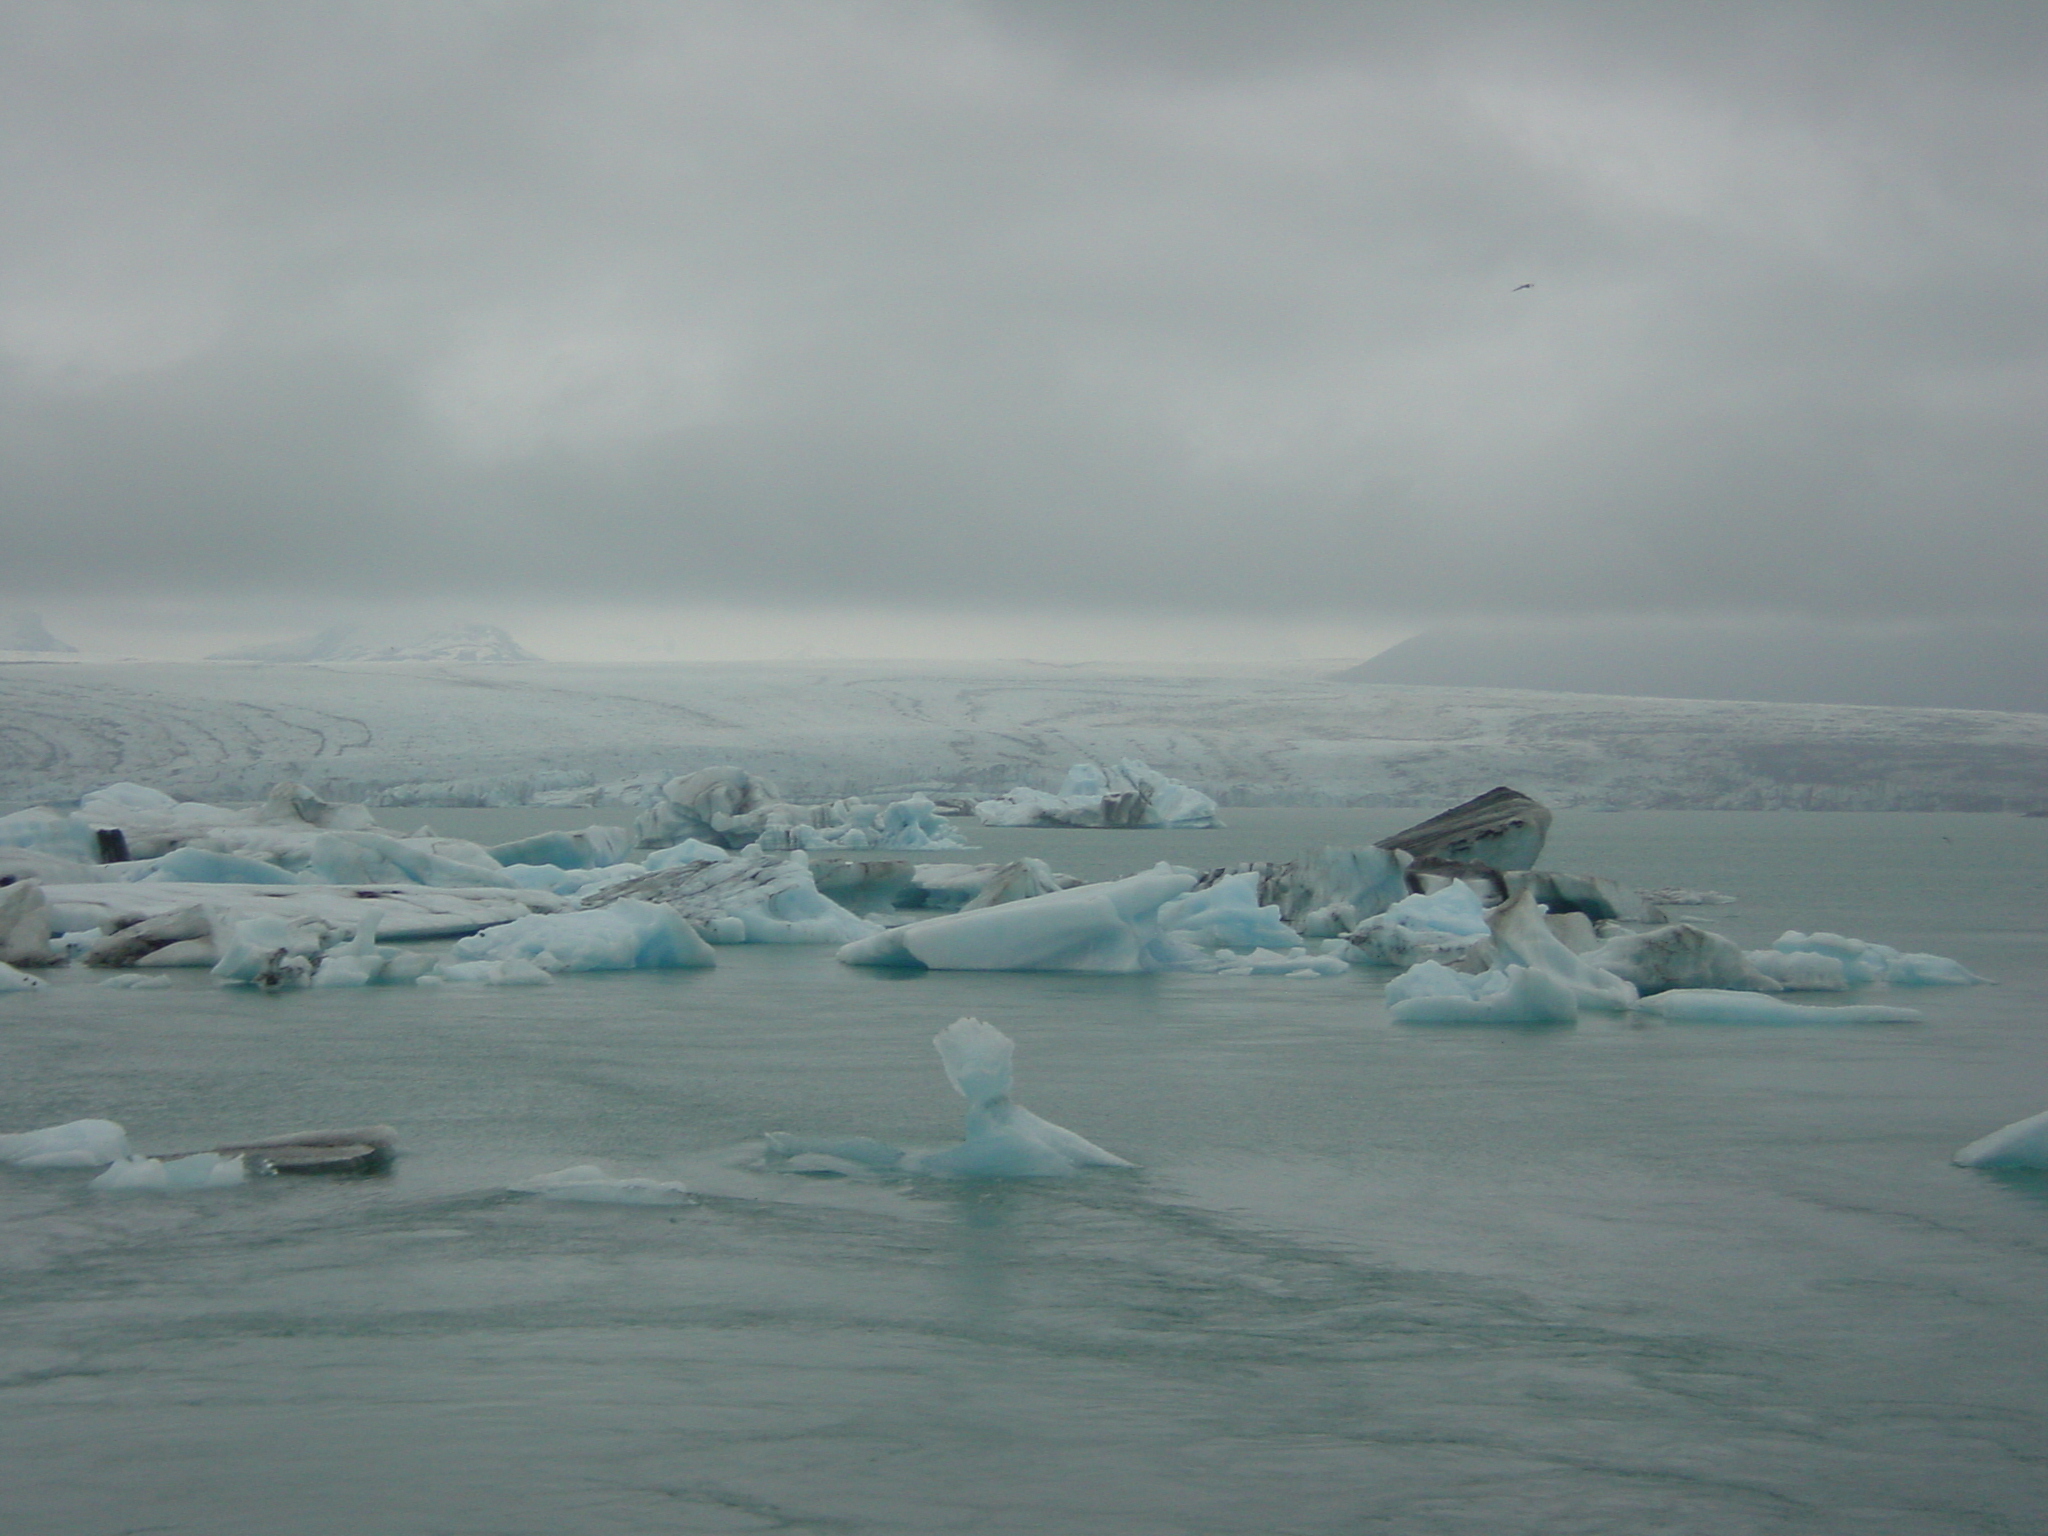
[1623, 1277]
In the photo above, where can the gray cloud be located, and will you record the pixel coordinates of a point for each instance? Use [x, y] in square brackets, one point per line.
[1100, 306]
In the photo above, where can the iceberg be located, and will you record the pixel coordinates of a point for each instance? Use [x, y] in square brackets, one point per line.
[1447, 924]
[870, 885]
[592, 848]
[1109, 928]
[510, 972]
[1679, 955]
[1126, 794]
[622, 936]
[74, 1144]
[1502, 828]
[1522, 937]
[1708, 1006]
[198, 1170]
[272, 951]
[25, 925]
[1864, 963]
[731, 808]
[1435, 994]
[751, 897]
[588, 1182]
[12, 980]
[1003, 1139]
[2023, 1144]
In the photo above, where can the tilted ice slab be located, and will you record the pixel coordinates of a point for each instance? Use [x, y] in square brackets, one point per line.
[2023, 1144]
[1003, 1139]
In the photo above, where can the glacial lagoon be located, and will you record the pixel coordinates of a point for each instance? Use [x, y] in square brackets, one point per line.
[1625, 1276]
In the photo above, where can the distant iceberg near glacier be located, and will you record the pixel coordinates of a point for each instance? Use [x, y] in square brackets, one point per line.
[463, 642]
[1125, 794]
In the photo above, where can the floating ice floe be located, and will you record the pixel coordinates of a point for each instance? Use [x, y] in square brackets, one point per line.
[750, 897]
[1432, 993]
[2023, 1144]
[592, 848]
[1003, 1139]
[1708, 1006]
[621, 936]
[74, 1144]
[25, 930]
[588, 1182]
[1125, 794]
[199, 1170]
[731, 808]
[512, 972]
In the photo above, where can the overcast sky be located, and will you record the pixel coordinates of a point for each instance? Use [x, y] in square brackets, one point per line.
[923, 327]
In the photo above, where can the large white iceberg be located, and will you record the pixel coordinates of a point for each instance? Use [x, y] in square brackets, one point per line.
[623, 936]
[1003, 1139]
[1125, 794]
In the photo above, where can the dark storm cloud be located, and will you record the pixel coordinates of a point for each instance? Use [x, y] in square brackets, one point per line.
[1037, 304]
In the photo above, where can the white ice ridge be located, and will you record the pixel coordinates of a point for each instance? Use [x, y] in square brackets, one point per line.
[1003, 1139]
[2023, 1144]
[1706, 1006]
[588, 1182]
[74, 1144]
[1126, 794]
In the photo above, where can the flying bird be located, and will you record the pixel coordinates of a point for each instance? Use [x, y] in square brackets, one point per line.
[1520, 286]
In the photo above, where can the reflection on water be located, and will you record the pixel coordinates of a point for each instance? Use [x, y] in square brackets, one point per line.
[1614, 1278]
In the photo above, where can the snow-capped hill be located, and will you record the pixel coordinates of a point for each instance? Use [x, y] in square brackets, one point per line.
[353, 642]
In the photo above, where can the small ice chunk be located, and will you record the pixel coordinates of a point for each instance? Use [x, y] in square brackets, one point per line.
[587, 1181]
[201, 1170]
[512, 972]
[2023, 1144]
[135, 981]
[12, 980]
[74, 1144]
[1707, 1006]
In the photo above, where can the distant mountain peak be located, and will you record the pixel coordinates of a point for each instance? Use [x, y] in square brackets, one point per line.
[27, 633]
[463, 643]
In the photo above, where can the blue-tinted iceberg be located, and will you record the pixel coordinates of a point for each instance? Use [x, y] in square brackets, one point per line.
[1432, 993]
[199, 1170]
[1444, 925]
[624, 936]
[1862, 963]
[1125, 794]
[1003, 1139]
[592, 848]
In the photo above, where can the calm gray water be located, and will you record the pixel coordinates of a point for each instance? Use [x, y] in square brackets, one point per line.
[1626, 1278]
